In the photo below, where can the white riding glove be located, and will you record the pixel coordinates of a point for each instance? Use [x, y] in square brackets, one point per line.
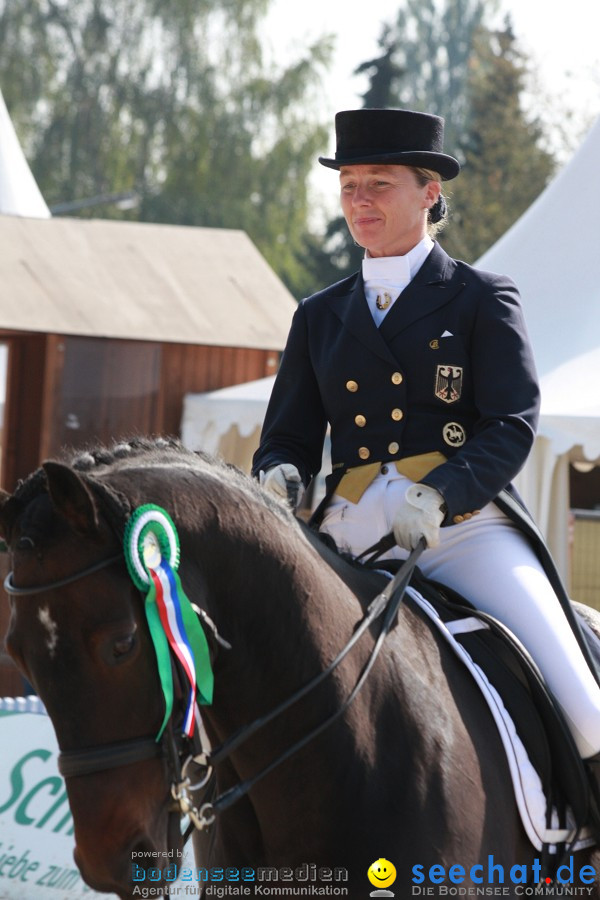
[276, 481]
[419, 516]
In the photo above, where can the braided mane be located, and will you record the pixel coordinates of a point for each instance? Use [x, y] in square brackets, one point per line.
[141, 452]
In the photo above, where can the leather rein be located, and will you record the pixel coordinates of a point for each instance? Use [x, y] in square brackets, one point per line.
[72, 763]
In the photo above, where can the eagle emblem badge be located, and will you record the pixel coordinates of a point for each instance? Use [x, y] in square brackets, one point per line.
[448, 383]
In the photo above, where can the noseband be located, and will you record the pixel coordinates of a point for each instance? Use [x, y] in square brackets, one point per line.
[103, 756]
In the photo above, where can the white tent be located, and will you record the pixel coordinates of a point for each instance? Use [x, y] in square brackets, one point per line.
[19, 193]
[551, 253]
[227, 422]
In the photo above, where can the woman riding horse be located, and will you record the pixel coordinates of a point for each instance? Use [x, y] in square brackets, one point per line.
[413, 770]
[422, 366]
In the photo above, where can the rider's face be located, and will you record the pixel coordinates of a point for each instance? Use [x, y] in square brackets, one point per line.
[386, 207]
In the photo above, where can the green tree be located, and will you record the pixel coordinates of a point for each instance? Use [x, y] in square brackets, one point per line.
[505, 161]
[434, 42]
[442, 56]
[172, 101]
[383, 71]
[423, 64]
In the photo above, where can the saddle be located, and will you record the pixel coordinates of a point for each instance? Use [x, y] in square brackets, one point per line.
[493, 652]
[552, 789]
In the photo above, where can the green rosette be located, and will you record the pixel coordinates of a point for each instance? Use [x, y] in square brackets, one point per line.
[152, 553]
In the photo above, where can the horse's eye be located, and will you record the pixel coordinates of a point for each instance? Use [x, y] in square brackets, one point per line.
[123, 646]
[116, 644]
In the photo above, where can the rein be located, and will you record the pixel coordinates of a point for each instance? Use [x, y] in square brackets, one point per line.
[387, 601]
[72, 763]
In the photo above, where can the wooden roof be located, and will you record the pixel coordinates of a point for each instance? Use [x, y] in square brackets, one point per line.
[140, 281]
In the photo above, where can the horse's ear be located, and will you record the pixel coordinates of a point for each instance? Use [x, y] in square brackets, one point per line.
[4, 517]
[4, 498]
[71, 497]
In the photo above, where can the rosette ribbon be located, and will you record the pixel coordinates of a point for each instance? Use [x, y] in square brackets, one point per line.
[152, 554]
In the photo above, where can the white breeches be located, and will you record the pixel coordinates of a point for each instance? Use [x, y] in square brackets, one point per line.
[491, 563]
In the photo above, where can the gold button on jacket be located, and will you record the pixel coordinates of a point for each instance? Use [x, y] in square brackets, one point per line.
[364, 452]
[351, 386]
[397, 414]
[360, 421]
[397, 378]
[393, 447]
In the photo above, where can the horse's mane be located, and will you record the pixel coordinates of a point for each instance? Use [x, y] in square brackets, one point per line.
[96, 462]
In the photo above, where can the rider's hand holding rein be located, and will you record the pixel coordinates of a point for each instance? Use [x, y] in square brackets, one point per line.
[420, 515]
[279, 479]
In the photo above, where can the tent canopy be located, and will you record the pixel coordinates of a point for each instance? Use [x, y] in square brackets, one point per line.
[228, 421]
[550, 252]
[571, 405]
[19, 193]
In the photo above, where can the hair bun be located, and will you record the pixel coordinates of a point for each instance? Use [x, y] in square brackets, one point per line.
[439, 210]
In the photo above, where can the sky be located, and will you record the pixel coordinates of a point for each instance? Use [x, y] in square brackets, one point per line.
[560, 39]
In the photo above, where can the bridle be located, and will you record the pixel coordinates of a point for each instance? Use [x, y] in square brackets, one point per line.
[102, 757]
[113, 755]
[15, 591]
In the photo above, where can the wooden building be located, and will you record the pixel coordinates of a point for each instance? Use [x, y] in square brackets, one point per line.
[105, 326]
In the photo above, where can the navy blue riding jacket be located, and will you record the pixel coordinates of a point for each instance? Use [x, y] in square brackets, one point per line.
[450, 369]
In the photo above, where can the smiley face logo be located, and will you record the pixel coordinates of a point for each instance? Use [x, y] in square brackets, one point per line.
[382, 873]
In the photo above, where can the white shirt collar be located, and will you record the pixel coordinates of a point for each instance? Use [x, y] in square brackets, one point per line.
[397, 268]
[389, 275]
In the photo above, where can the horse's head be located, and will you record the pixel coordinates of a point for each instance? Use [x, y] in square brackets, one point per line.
[84, 635]
[78, 633]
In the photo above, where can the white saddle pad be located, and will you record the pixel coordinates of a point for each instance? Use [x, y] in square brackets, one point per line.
[527, 785]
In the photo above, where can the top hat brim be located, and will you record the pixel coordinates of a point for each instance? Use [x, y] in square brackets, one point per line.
[445, 165]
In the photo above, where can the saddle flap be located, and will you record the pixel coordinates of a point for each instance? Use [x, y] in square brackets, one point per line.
[537, 717]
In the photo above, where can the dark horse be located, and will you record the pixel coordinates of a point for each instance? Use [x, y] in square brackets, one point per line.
[413, 771]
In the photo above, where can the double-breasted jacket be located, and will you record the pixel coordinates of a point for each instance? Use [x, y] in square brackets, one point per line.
[450, 369]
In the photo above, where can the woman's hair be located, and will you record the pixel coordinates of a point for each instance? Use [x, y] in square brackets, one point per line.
[438, 214]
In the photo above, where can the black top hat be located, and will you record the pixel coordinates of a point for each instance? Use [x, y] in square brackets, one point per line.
[391, 137]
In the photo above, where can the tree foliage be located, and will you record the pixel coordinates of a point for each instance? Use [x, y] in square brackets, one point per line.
[174, 102]
[434, 48]
[177, 104]
[384, 72]
[505, 161]
[442, 56]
